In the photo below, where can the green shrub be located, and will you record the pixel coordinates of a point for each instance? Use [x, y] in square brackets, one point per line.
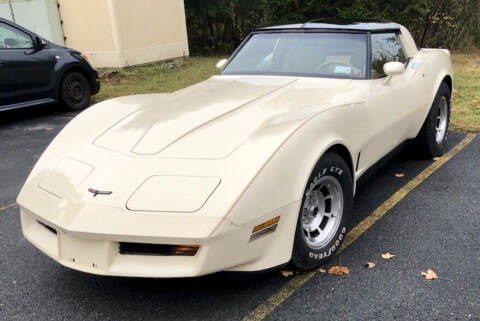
[218, 26]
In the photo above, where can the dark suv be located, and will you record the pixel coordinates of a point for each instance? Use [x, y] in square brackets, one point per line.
[35, 71]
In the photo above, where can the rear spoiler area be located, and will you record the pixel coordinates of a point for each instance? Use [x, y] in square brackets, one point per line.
[433, 49]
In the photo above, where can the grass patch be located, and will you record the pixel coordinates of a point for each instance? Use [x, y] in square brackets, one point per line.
[160, 77]
[173, 75]
[466, 93]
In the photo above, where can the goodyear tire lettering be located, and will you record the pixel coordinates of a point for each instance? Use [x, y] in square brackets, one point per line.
[331, 250]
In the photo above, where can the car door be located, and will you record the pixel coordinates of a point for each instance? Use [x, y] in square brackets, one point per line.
[391, 103]
[26, 71]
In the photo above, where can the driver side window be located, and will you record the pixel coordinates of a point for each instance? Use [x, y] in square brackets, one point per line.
[386, 47]
[12, 38]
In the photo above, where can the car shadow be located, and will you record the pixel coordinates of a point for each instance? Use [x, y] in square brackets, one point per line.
[32, 113]
[219, 296]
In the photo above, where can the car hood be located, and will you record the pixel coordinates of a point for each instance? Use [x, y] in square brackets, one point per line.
[211, 139]
[211, 119]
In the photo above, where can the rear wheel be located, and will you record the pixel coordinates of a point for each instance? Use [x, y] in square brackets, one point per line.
[325, 212]
[434, 133]
[75, 91]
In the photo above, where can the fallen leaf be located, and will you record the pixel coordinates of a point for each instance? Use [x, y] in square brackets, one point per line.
[338, 270]
[287, 273]
[429, 275]
[387, 255]
[49, 128]
[322, 270]
[399, 175]
[370, 265]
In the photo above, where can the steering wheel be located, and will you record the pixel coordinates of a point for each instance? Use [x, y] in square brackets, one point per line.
[333, 62]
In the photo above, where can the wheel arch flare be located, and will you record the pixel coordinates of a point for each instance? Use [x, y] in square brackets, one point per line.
[281, 181]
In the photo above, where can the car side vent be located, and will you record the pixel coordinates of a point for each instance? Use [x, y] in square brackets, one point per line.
[157, 249]
[51, 229]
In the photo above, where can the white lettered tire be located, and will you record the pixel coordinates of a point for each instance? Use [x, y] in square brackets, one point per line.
[324, 214]
[434, 133]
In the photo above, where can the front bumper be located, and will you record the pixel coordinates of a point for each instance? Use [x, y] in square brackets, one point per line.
[95, 83]
[99, 255]
[95, 248]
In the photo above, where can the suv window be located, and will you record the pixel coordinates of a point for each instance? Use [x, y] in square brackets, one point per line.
[386, 47]
[12, 38]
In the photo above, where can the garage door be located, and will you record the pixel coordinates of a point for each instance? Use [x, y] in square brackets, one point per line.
[39, 16]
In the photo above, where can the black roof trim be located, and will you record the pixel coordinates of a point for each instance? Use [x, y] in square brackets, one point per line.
[338, 24]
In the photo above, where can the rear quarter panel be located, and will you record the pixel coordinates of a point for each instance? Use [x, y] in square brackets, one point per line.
[435, 67]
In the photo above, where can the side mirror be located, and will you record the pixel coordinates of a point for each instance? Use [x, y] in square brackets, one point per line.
[391, 69]
[39, 43]
[221, 63]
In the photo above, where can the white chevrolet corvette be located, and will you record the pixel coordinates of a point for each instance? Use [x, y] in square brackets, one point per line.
[251, 169]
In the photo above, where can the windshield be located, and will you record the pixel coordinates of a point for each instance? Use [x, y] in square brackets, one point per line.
[333, 55]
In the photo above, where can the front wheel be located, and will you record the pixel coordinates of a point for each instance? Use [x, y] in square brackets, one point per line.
[434, 133]
[325, 213]
[75, 91]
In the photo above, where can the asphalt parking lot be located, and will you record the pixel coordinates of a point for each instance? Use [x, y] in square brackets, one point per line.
[435, 225]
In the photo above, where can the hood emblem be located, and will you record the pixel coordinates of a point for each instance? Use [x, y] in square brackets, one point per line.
[96, 192]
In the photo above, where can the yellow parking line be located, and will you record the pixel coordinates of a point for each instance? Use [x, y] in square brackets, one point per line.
[292, 285]
[7, 206]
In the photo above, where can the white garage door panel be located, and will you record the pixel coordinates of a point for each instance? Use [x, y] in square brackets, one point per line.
[5, 11]
[39, 16]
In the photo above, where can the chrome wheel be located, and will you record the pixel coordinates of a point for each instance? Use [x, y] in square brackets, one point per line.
[322, 211]
[442, 120]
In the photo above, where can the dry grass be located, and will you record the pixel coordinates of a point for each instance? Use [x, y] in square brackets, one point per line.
[174, 75]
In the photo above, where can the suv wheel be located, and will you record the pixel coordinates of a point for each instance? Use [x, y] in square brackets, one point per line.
[75, 91]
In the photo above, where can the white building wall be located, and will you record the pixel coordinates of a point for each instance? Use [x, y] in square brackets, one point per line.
[112, 33]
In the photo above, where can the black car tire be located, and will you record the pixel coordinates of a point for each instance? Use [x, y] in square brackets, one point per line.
[427, 138]
[330, 168]
[75, 91]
